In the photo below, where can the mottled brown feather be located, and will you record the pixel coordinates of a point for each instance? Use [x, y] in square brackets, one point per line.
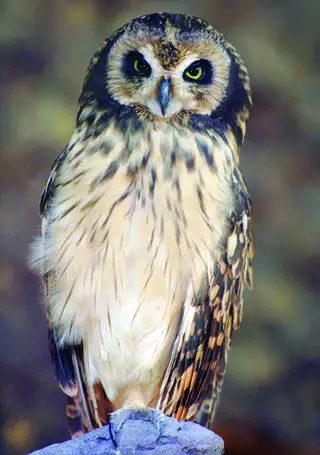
[193, 384]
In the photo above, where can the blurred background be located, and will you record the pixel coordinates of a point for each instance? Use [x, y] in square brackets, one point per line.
[271, 400]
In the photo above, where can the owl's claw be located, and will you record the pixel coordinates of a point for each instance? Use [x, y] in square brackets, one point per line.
[121, 417]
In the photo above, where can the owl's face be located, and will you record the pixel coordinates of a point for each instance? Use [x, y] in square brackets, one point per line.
[166, 78]
[168, 66]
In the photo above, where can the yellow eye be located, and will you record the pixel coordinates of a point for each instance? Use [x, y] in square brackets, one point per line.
[199, 72]
[194, 72]
[141, 67]
[136, 64]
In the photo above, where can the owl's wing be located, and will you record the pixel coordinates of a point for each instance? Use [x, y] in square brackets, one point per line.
[86, 409]
[68, 367]
[47, 193]
[199, 357]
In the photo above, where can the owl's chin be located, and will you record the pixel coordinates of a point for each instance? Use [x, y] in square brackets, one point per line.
[171, 110]
[151, 111]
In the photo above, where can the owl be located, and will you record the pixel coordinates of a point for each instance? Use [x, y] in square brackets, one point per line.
[146, 237]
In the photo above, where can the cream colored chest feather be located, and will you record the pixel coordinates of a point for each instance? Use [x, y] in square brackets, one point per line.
[124, 260]
[121, 284]
[118, 247]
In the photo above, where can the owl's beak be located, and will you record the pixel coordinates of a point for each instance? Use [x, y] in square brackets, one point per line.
[164, 94]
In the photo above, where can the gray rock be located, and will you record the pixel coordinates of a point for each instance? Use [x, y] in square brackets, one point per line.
[147, 432]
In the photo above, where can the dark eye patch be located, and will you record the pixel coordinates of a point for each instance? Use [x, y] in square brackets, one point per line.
[135, 65]
[199, 72]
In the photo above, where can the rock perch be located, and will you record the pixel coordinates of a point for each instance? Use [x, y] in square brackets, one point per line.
[146, 432]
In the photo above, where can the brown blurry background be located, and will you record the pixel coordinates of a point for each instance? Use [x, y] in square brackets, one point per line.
[271, 400]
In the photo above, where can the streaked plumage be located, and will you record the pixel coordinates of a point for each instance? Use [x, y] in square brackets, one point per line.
[146, 241]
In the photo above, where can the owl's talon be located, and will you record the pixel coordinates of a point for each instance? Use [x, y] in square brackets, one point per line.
[119, 418]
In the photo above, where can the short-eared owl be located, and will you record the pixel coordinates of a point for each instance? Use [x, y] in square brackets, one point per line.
[146, 241]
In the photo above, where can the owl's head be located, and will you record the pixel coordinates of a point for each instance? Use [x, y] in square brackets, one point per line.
[167, 67]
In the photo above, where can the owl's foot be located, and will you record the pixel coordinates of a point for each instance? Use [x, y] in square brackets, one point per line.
[153, 422]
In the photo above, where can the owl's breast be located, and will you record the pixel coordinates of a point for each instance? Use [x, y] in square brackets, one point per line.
[125, 255]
